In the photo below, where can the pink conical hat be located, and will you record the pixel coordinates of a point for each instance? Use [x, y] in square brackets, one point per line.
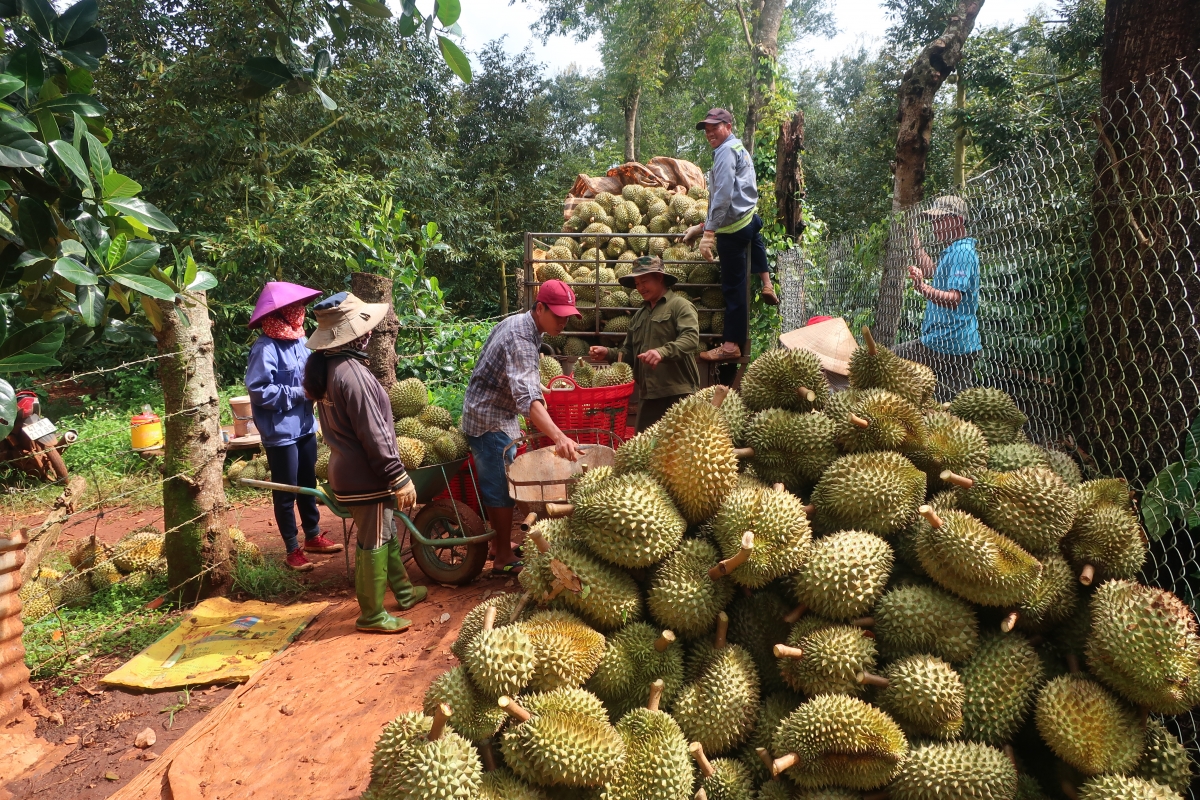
[277, 294]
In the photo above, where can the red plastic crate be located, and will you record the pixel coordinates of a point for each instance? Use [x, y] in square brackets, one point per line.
[574, 408]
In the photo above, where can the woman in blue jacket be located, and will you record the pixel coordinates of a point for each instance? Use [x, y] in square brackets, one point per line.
[284, 417]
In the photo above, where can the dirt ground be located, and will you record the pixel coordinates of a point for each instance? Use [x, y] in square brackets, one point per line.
[95, 727]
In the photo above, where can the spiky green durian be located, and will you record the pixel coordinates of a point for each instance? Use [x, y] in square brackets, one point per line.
[1144, 644]
[104, 574]
[554, 272]
[408, 397]
[629, 521]
[1032, 506]
[566, 651]
[411, 427]
[756, 622]
[595, 237]
[873, 366]
[74, 590]
[39, 598]
[634, 657]
[992, 411]
[1000, 680]
[411, 451]
[950, 444]
[730, 780]
[704, 273]
[618, 324]
[783, 378]
[840, 741]
[733, 411]
[915, 619]
[1009, 457]
[566, 742]
[925, 695]
[406, 764]
[717, 326]
[614, 374]
[875, 492]
[693, 458]
[844, 575]
[1122, 787]
[575, 347]
[1064, 466]
[959, 770]
[657, 765]
[137, 550]
[1029, 789]
[501, 784]
[614, 299]
[1106, 539]
[590, 481]
[826, 658]
[476, 715]
[609, 599]
[781, 533]
[1087, 727]
[248, 552]
[1053, 599]
[1165, 760]
[875, 419]
[682, 596]
[637, 239]
[548, 369]
[584, 374]
[717, 708]
[714, 298]
[789, 447]
[973, 561]
[501, 660]
[633, 455]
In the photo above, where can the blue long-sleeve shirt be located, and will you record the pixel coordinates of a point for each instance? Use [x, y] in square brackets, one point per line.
[733, 190]
[274, 376]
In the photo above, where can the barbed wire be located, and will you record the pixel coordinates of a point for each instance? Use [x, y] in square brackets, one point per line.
[104, 370]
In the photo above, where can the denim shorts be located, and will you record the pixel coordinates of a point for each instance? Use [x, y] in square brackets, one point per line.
[492, 455]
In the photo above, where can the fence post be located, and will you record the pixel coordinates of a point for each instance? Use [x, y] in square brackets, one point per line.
[14, 677]
[503, 291]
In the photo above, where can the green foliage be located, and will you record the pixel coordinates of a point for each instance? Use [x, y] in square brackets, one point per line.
[269, 580]
[1173, 497]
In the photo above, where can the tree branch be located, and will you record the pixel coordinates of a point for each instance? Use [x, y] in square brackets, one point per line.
[745, 26]
[296, 148]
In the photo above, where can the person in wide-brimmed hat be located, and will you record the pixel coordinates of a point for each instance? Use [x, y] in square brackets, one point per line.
[661, 346]
[365, 472]
[284, 416]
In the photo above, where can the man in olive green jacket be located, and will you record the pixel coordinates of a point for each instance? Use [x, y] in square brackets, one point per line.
[661, 346]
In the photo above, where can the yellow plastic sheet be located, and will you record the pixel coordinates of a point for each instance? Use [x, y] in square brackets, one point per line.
[218, 642]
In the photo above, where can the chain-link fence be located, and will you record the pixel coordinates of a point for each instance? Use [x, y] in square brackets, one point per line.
[1088, 303]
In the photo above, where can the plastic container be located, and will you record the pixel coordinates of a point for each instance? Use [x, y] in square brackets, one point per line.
[145, 430]
[243, 419]
[572, 407]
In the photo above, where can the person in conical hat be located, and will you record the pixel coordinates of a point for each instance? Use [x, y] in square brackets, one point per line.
[365, 471]
[284, 416]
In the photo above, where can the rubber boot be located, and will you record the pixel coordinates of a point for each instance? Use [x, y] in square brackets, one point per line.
[370, 583]
[406, 594]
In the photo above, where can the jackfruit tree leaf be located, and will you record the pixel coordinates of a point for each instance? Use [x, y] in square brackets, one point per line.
[268, 71]
[73, 104]
[1172, 495]
[1191, 446]
[326, 100]
[145, 285]
[75, 272]
[75, 21]
[136, 258]
[407, 25]
[143, 212]
[39, 339]
[43, 16]
[26, 65]
[372, 8]
[117, 185]
[448, 12]
[18, 149]
[91, 304]
[322, 64]
[455, 58]
[10, 84]
[26, 362]
[202, 282]
[36, 223]
[85, 51]
[69, 157]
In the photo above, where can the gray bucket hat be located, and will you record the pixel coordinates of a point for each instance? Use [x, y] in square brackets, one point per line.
[647, 265]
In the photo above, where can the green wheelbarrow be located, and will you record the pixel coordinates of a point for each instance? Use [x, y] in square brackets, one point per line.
[446, 538]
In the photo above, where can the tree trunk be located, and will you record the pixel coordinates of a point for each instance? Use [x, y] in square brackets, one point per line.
[1143, 349]
[764, 53]
[960, 135]
[193, 456]
[630, 104]
[789, 175]
[381, 351]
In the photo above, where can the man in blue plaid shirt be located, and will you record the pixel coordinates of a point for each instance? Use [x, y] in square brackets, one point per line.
[506, 383]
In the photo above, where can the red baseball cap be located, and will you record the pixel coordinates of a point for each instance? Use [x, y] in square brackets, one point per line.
[559, 298]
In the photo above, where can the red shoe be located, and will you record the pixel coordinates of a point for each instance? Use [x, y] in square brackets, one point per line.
[321, 544]
[296, 560]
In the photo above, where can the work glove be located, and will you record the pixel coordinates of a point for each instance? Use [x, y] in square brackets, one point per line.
[708, 244]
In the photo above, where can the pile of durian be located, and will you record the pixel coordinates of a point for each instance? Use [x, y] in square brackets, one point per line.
[788, 593]
[585, 374]
[256, 468]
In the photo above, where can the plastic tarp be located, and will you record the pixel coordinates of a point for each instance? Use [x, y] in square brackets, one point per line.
[670, 173]
[218, 642]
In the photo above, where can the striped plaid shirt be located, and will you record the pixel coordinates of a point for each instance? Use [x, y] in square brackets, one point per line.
[506, 381]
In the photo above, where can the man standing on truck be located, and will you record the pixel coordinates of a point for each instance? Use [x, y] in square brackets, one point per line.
[505, 384]
[663, 339]
[732, 225]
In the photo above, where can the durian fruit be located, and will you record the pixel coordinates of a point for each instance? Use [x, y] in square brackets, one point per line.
[500, 660]
[595, 235]
[693, 457]
[774, 709]
[791, 448]
[1032, 506]
[584, 374]
[507, 605]
[970, 559]
[104, 574]
[609, 597]
[1165, 760]
[557, 342]
[591, 481]
[616, 245]
[717, 709]
[412, 427]
[575, 347]
[614, 375]
[1123, 787]
[633, 455]
[950, 444]
[835, 740]
[421, 757]
[714, 299]
[733, 410]
[412, 452]
[1000, 680]
[444, 448]
[722, 778]
[408, 397]
[87, 551]
[553, 272]
[757, 623]
[629, 521]
[781, 533]
[823, 658]
[617, 298]
[561, 738]
[1008, 457]
[38, 599]
[634, 657]
[844, 575]
[875, 419]
[618, 324]
[321, 468]
[566, 651]
[682, 596]
[501, 784]
[235, 471]
[1106, 540]
[637, 239]
[925, 695]
[782, 378]
[548, 369]
[704, 273]
[1144, 645]
[658, 244]
[1028, 788]
[80, 589]
[1065, 467]
[1052, 601]
[992, 411]
[876, 492]
[245, 551]
[875, 367]
[717, 327]
[1087, 727]
[476, 716]
[917, 619]
[960, 770]
[657, 766]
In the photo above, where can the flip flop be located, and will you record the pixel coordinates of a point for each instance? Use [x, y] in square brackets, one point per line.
[519, 551]
[512, 568]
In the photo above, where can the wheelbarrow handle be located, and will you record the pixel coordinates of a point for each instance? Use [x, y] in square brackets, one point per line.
[456, 542]
[284, 487]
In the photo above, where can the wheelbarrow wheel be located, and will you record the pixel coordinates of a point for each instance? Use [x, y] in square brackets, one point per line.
[453, 565]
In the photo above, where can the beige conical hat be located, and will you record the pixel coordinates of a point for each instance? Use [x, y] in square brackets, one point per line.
[343, 318]
[830, 340]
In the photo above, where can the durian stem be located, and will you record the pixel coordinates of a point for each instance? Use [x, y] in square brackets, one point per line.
[664, 641]
[809, 510]
[779, 487]
[1143, 715]
[956, 479]
[946, 406]
[489, 618]
[765, 757]
[806, 394]
[1073, 663]
[516, 612]
[441, 715]
[858, 421]
[728, 565]
[1087, 574]
[869, 341]
[787, 651]
[722, 631]
[867, 679]
[706, 767]
[793, 616]
[558, 510]
[700, 794]
[1068, 789]
[530, 518]
[539, 541]
[1012, 754]
[744, 452]
[867, 632]
[928, 513]
[511, 708]
[719, 395]
[863, 622]
[656, 690]
[487, 755]
[1010, 621]
[784, 763]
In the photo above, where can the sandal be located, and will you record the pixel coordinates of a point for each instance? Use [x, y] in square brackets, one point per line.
[512, 568]
[519, 551]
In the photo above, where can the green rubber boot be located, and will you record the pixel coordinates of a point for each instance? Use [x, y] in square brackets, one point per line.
[406, 594]
[370, 583]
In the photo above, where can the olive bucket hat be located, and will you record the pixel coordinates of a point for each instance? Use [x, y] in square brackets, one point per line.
[647, 265]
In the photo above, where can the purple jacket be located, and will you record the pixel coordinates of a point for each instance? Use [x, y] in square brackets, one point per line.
[274, 375]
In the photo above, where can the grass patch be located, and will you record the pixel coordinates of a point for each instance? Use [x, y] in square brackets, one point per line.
[267, 580]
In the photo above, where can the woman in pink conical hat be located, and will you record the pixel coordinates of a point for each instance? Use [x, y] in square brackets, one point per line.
[284, 416]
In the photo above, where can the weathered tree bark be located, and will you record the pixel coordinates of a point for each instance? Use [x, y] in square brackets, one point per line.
[630, 106]
[381, 351]
[960, 134]
[789, 175]
[197, 543]
[1142, 357]
[763, 40]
